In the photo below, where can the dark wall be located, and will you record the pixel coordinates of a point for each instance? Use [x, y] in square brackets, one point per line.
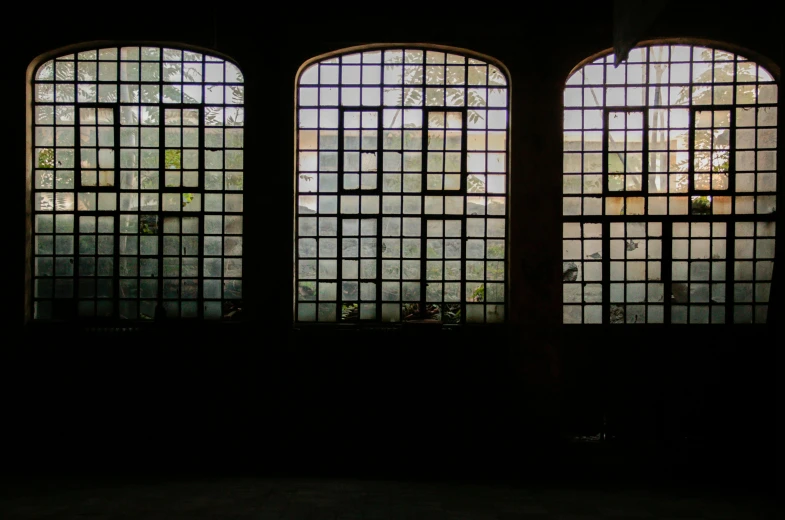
[259, 393]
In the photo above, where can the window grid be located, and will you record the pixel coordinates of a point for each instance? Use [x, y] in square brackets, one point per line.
[682, 138]
[415, 142]
[137, 201]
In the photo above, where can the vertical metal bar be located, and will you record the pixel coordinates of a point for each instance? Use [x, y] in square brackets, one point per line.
[690, 246]
[625, 260]
[379, 216]
[732, 154]
[645, 158]
[160, 215]
[606, 268]
[606, 224]
[76, 256]
[730, 271]
[464, 194]
[117, 190]
[710, 263]
[339, 214]
[605, 156]
[423, 261]
[667, 269]
[200, 187]
[646, 219]
[424, 140]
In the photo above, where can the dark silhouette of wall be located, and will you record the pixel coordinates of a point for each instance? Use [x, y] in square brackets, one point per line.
[262, 395]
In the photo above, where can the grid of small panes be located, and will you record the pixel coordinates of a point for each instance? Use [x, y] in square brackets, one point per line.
[402, 180]
[669, 186]
[137, 185]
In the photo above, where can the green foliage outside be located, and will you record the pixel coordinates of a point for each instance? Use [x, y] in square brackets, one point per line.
[46, 158]
[83, 74]
[715, 143]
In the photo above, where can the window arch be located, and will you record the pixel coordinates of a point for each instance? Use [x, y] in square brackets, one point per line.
[669, 184]
[135, 184]
[402, 180]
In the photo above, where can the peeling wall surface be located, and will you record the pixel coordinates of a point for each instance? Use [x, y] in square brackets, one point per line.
[259, 388]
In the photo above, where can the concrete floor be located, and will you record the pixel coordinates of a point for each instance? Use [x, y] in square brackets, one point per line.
[578, 481]
[247, 497]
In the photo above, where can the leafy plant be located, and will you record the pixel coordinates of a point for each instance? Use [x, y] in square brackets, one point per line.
[450, 313]
[350, 312]
[701, 205]
[46, 158]
[187, 198]
[172, 159]
[452, 78]
[148, 224]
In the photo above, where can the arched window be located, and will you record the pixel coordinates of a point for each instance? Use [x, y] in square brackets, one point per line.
[402, 180]
[135, 184]
[670, 178]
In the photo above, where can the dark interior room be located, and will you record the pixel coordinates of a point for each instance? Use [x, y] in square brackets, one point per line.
[555, 294]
